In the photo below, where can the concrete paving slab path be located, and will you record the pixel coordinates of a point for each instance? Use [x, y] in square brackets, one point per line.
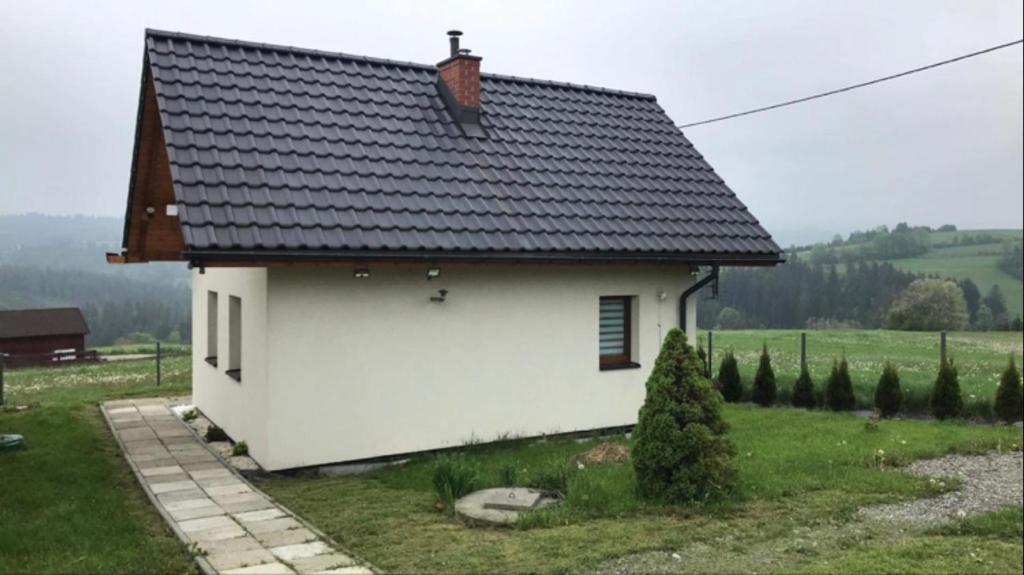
[238, 529]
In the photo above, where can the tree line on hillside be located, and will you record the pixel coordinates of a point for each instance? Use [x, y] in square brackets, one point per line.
[866, 294]
[1011, 261]
[881, 243]
[115, 308]
[905, 241]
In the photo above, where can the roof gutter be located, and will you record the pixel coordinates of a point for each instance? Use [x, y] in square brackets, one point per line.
[258, 257]
[697, 286]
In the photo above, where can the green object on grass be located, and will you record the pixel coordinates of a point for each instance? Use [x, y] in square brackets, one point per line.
[11, 442]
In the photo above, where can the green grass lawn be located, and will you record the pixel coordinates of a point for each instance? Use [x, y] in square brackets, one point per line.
[68, 501]
[980, 359]
[799, 471]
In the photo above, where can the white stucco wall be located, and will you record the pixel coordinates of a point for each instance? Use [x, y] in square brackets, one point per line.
[360, 368]
[240, 408]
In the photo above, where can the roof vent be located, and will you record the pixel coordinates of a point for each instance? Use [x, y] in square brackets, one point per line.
[458, 81]
[453, 41]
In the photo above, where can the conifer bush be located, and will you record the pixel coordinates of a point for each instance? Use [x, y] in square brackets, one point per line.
[703, 357]
[888, 394]
[764, 381]
[729, 381]
[1008, 397]
[946, 401]
[803, 390]
[681, 451]
[839, 388]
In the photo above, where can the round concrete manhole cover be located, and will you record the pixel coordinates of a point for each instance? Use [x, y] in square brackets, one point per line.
[501, 505]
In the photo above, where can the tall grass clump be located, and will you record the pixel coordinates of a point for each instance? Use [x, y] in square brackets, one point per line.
[803, 390]
[764, 380]
[839, 387]
[681, 452]
[946, 401]
[454, 477]
[729, 382]
[888, 394]
[553, 476]
[1008, 396]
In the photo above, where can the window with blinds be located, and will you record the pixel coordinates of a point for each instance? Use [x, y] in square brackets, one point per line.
[615, 331]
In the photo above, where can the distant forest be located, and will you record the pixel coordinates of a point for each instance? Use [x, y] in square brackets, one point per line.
[848, 283]
[51, 261]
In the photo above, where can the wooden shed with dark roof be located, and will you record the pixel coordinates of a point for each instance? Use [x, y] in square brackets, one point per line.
[390, 256]
[30, 335]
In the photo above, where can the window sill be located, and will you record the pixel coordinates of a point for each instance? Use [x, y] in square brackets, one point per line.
[235, 374]
[212, 360]
[618, 366]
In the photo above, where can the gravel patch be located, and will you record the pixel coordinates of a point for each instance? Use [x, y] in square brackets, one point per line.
[987, 483]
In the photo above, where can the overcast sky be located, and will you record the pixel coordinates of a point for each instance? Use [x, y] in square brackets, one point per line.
[943, 146]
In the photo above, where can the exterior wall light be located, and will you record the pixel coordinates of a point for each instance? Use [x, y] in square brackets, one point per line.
[433, 273]
[361, 273]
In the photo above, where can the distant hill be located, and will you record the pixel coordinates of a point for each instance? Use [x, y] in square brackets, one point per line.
[852, 281]
[49, 261]
[975, 254]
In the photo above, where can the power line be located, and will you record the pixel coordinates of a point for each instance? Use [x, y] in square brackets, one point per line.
[852, 87]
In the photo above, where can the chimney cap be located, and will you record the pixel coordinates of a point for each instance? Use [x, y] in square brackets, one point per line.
[455, 33]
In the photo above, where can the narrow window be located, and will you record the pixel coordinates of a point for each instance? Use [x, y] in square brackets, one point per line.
[211, 328]
[616, 332]
[235, 338]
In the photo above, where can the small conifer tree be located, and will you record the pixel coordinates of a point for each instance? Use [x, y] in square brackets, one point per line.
[681, 451]
[703, 357]
[946, 401]
[729, 382]
[803, 390]
[1008, 396]
[839, 388]
[764, 380]
[888, 394]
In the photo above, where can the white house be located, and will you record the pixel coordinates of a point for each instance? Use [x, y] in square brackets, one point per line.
[391, 257]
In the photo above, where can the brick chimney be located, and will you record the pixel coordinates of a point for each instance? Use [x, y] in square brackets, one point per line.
[458, 80]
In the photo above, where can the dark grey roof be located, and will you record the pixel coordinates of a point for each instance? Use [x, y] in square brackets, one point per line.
[300, 152]
[17, 323]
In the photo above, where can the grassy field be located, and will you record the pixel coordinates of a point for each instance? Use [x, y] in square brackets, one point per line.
[980, 359]
[802, 476]
[68, 501]
[143, 348]
[980, 263]
[942, 239]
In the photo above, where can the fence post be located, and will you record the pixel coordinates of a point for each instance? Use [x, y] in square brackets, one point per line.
[711, 349]
[803, 350]
[942, 347]
[158, 363]
[1, 379]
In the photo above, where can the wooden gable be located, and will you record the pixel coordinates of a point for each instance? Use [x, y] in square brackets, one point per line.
[151, 234]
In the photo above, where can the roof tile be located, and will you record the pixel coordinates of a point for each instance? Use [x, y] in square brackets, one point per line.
[283, 148]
